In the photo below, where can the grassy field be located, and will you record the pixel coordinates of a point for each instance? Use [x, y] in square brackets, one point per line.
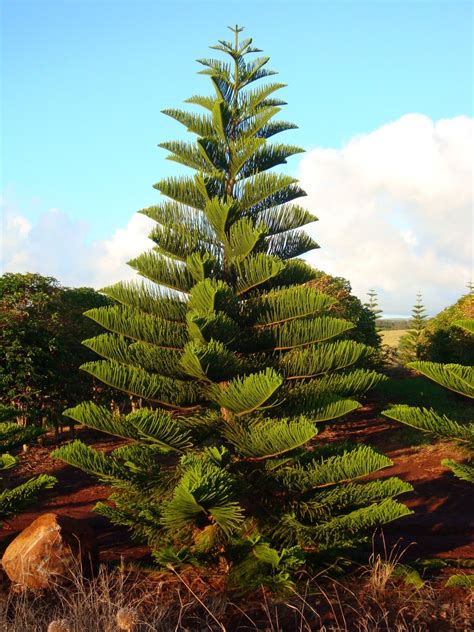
[392, 337]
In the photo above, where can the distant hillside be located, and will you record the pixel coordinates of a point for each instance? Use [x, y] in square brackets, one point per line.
[393, 323]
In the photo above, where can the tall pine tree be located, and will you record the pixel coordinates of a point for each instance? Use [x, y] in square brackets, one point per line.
[232, 357]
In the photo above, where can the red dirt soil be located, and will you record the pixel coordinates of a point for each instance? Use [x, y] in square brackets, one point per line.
[442, 525]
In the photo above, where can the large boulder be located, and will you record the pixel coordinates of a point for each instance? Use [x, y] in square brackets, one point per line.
[49, 551]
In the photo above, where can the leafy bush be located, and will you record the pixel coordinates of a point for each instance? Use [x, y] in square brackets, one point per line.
[41, 326]
[349, 307]
[442, 341]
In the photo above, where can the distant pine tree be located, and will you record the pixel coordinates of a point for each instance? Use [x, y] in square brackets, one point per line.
[410, 344]
[373, 304]
[235, 358]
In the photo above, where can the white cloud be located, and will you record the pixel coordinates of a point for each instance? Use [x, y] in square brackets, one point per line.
[409, 237]
[15, 230]
[395, 210]
[125, 244]
[54, 245]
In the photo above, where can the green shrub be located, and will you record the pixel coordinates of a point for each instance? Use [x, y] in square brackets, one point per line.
[442, 341]
[348, 307]
[41, 326]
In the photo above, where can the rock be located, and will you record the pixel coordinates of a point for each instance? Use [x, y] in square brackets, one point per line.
[50, 550]
[60, 625]
[127, 619]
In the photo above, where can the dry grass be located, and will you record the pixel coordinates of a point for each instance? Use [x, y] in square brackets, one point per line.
[371, 600]
[391, 337]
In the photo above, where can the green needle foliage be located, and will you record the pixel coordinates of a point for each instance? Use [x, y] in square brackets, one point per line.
[15, 499]
[373, 304]
[411, 347]
[457, 378]
[235, 357]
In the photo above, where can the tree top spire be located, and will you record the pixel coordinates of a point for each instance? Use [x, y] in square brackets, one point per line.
[236, 30]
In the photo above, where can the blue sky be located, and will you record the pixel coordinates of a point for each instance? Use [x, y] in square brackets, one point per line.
[84, 81]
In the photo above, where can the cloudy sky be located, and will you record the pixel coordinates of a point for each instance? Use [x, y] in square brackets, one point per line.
[381, 92]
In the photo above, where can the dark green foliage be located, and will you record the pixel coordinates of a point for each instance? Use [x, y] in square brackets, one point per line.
[12, 434]
[421, 392]
[41, 325]
[236, 359]
[443, 341]
[349, 307]
[456, 378]
[14, 499]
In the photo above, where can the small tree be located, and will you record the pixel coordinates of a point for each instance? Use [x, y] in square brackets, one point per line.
[373, 304]
[235, 358]
[14, 499]
[410, 345]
